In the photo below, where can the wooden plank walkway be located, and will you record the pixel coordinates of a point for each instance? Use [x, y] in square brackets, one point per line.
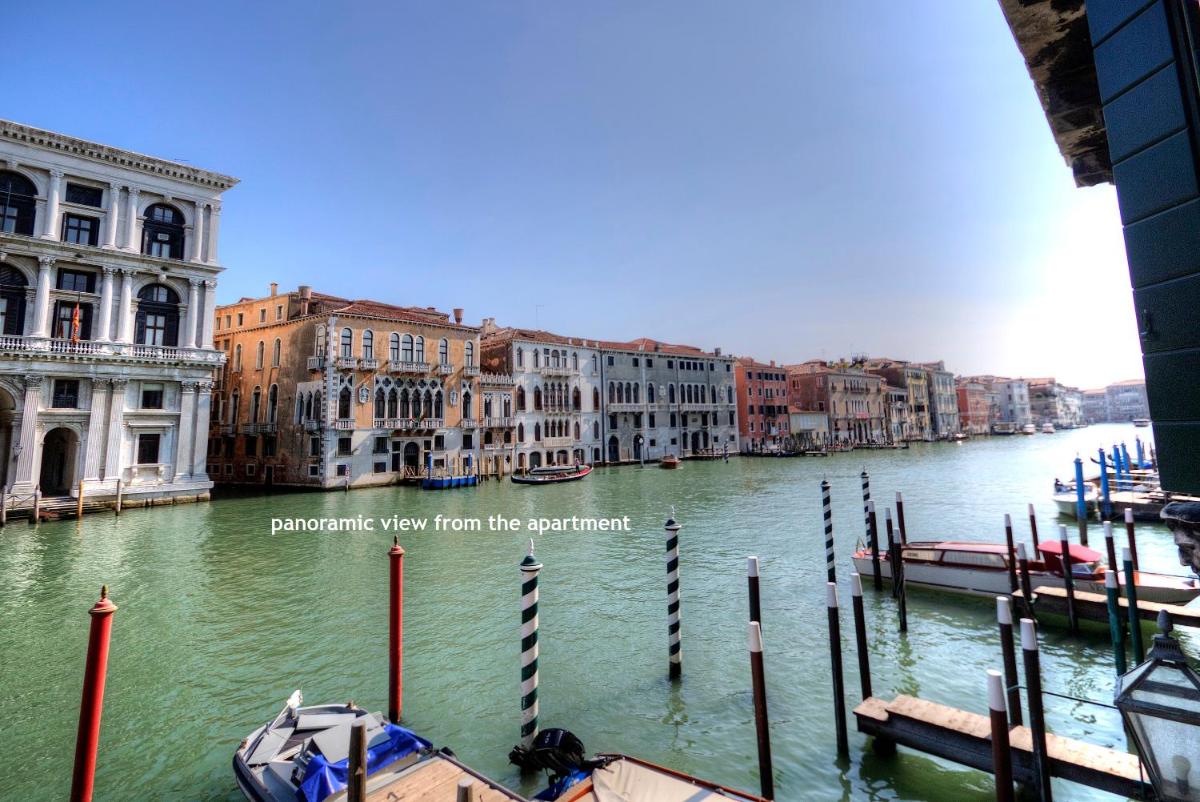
[432, 780]
[1094, 606]
[965, 738]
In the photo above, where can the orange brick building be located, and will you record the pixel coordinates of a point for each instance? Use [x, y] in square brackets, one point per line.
[762, 408]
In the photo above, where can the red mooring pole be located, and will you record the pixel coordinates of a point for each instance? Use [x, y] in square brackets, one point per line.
[396, 631]
[83, 777]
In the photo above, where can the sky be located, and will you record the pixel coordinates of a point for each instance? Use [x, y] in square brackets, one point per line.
[782, 180]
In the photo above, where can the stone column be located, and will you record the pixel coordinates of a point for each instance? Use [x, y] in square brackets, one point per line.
[28, 444]
[104, 327]
[194, 311]
[95, 435]
[110, 221]
[214, 228]
[184, 434]
[41, 300]
[198, 234]
[50, 229]
[200, 434]
[124, 319]
[116, 425]
[131, 216]
[206, 314]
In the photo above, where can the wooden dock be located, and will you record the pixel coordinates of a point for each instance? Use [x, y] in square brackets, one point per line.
[432, 780]
[965, 738]
[1094, 607]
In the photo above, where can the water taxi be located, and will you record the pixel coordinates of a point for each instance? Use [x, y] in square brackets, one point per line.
[982, 569]
[1048, 428]
[1141, 423]
[303, 755]
[669, 461]
[1067, 500]
[1029, 428]
[552, 474]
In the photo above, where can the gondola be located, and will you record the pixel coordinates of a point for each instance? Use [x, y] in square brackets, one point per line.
[552, 474]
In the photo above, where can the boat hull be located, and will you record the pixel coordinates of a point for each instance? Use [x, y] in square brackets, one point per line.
[552, 479]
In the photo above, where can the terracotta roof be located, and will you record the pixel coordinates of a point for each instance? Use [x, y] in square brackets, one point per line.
[509, 333]
[651, 346]
[411, 314]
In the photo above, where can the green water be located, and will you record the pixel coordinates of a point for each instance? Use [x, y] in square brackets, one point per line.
[219, 621]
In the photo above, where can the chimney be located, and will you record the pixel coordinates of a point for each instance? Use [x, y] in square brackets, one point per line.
[305, 298]
[716, 352]
[772, 363]
[458, 312]
[274, 288]
[488, 326]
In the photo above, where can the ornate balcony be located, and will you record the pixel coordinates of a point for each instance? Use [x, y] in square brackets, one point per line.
[445, 369]
[468, 423]
[346, 363]
[496, 380]
[344, 424]
[496, 446]
[410, 424]
[558, 442]
[413, 368]
[316, 363]
[558, 370]
[623, 407]
[470, 370]
[499, 423]
[312, 425]
[368, 364]
[697, 407]
[259, 428]
[17, 347]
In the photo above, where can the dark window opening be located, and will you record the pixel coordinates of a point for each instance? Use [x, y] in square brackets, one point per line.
[66, 394]
[85, 196]
[147, 448]
[80, 230]
[162, 232]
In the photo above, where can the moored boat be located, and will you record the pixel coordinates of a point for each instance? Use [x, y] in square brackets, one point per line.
[302, 755]
[669, 461]
[1141, 423]
[981, 569]
[443, 482]
[1029, 428]
[1067, 501]
[552, 474]
[1048, 428]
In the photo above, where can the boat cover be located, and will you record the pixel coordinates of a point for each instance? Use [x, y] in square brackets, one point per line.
[627, 781]
[322, 778]
[1079, 553]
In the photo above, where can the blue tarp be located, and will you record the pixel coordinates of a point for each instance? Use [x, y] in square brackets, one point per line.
[322, 778]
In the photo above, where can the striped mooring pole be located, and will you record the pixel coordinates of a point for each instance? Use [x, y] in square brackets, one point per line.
[674, 652]
[529, 647]
[1105, 491]
[827, 513]
[866, 488]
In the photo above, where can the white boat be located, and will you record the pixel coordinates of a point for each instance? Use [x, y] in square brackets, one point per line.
[1067, 502]
[1141, 423]
[981, 569]
[1029, 428]
[1047, 428]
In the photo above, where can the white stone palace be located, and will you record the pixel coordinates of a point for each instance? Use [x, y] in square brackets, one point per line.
[108, 268]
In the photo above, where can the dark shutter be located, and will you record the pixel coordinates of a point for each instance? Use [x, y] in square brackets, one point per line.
[139, 328]
[171, 335]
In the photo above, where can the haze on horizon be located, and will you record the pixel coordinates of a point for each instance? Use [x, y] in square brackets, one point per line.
[793, 183]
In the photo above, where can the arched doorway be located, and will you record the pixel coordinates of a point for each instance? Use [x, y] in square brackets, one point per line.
[521, 463]
[695, 442]
[7, 416]
[637, 447]
[535, 459]
[614, 449]
[562, 458]
[412, 456]
[59, 451]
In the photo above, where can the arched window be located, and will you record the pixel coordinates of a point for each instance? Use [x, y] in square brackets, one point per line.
[469, 354]
[438, 409]
[537, 359]
[18, 204]
[637, 392]
[235, 404]
[520, 357]
[466, 406]
[427, 406]
[443, 351]
[344, 403]
[272, 403]
[393, 401]
[596, 430]
[380, 403]
[419, 351]
[729, 394]
[595, 399]
[595, 363]
[576, 430]
[368, 351]
[537, 397]
[650, 393]
[521, 399]
[520, 432]
[537, 432]
[347, 344]
[255, 404]
[162, 232]
[628, 392]
[308, 406]
[704, 394]
[12, 296]
[157, 316]
[670, 394]
[574, 360]
[406, 348]
[577, 400]
[554, 357]
[259, 352]
[620, 393]
[394, 347]
[237, 357]
[320, 341]
[275, 349]
[404, 408]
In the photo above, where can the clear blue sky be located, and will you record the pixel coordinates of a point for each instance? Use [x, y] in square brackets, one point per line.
[788, 180]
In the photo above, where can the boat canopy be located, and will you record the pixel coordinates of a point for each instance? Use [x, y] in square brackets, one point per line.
[323, 778]
[1079, 553]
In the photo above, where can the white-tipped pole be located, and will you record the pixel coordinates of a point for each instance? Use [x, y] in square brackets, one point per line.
[855, 585]
[530, 568]
[1004, 610]
[1028, 635]
[995, 691]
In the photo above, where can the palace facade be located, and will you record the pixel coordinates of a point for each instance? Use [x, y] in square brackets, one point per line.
[763, 417]
[328, 392]
[108, 272]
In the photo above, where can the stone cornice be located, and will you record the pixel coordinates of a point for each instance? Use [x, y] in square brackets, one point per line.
[37, 248]
[61, 143]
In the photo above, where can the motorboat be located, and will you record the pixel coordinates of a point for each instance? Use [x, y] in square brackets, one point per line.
[1141, 423]
[552, 474]
[982, 569]
[670, 461]
[1029, 428]
[612, 777]
[1066, 498]
[1004, 428]
[1048, 428]
[303, 755]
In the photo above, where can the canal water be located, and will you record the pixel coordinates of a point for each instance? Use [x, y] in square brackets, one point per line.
[220, 620]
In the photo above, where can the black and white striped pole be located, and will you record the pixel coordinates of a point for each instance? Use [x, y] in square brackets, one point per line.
[835, 660]
[674, 652]
[529, 647]
[827, 513]
[866, 488]
[900, 518]
[752, 587]
[873, 542]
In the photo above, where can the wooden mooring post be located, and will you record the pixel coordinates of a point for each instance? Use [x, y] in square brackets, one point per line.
[1008, 654]
[1001, 752]
[674, 647]
[827, 516]
[79, 501]
[37, 505]
[1037, 716]
[395, 630]
[1135, 626]
[92, 705]
[3, 508]
[1012, 553]
[117, 508]
[835, 660]
[1130, 535]
[860, 635]
[752, 588]
[1068, 579]
[356, 770]
[762, 726]
[530, 568]
[1033, 528]
[1116, 631]
[1026, 585]
[900, 518]
[873, 529]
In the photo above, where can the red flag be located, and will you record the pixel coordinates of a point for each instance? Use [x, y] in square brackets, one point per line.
[75, 323]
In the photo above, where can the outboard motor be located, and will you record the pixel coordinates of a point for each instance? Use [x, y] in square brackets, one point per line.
[557, 751]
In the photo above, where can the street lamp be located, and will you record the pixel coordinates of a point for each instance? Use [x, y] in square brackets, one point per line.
[1159, 701]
